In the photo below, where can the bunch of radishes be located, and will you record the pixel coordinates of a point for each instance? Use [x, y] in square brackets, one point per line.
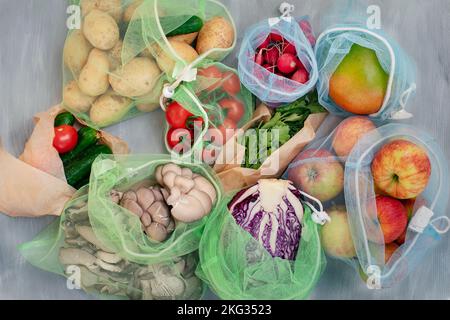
[279, 56]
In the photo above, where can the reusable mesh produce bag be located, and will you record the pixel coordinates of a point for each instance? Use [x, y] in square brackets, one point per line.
[429, 216]
[122, 230]
[117, 65]
[335, 43]
[267, 86]
[70, 248]
[216, 96]
[238, 267]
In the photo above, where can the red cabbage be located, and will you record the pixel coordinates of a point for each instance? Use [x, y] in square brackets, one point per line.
[272, 213]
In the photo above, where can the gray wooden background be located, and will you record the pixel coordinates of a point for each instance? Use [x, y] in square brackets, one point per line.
[32, 34]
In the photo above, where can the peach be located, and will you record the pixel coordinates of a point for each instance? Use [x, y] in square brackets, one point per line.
[401, 169]
[348, 134]
[319, 174]
[335, 235]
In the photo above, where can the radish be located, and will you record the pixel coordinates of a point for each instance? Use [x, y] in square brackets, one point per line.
[259, 58]
[269, 68]
[275, 37]
[271, 55]
[289, 48]
[301, 76]
[287, 63]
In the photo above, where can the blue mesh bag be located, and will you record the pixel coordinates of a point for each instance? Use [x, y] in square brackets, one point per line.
[269, 87]
[335, 43]
[428, 218]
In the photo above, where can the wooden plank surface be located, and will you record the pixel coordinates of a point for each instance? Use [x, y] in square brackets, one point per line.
[31, 41]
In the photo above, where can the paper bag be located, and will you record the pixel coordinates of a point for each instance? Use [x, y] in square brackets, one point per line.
[35, 184]
[228, 165]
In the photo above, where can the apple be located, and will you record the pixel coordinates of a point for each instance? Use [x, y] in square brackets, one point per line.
[401, 169]
[319, 174]
[335, 235]
[389, 250]
[392, 219]
[348, 134]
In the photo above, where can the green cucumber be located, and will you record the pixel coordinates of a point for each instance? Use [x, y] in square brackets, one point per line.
[64, 118]
[86, 137]
[192, 24]
[80, 167]
[84, 181]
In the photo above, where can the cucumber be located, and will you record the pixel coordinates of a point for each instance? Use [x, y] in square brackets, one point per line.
[80, 167]
[86, 137]
[193, 24]
[80, 184]
[64, 118]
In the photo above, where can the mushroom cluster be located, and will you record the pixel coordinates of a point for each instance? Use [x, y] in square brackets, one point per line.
[149, 205]
[182, 196]
[103, 271]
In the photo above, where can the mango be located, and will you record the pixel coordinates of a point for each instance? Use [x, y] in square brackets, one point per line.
[359, 84]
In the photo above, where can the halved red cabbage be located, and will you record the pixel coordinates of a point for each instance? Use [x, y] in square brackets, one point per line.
[272, 213]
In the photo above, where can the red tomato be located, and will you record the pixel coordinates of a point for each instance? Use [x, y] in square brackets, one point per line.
[227, 128]
[177, 116]
[214, 136]
[212, 77]
[275, 37]
[231, 83]
[179, 138]
[66, 138]
[194, 122]
[235, 109]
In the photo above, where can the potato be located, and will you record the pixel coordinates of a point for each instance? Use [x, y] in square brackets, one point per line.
[150, 102]
[136, 78]
[187, 38]
[109, 108]
[76, 51]
[147, 107]
[93, 79]
[101, 30]
[183, 50]
[115, 55]
[216, 33]
[76, 100]
[112, 7]
[129, 11]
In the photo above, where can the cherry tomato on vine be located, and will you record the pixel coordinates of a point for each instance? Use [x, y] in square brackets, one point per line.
[235, 109]
[193, 122]
[66, 138]
[227, 129]
[177, 116]
[231, 83]
[179, 138]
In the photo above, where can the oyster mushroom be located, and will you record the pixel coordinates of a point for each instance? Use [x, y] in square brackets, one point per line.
[190, 195]
[87, 233]
[108, 257]
[157, 232]
[73, 256]
[160, 213]
[165, 287]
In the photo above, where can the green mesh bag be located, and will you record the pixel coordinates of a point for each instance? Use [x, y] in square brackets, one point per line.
[122, 230]
[216, 96]
[117, 69]
[70, 248]
[225, 266]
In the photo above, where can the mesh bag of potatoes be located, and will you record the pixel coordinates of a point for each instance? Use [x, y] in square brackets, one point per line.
[116, 65]
[70, 247]
[150, 208]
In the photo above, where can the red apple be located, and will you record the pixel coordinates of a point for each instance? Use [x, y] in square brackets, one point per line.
[401, 169]
[335, 235]
[389, 250]
[348, 134]
[319, 174]
[392, 218]
[410, 204]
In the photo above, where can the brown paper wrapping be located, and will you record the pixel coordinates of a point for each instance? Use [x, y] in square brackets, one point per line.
[35, 184]
[234, 177]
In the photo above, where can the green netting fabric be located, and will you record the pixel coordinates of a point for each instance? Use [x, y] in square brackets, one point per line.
[207, 97]
[236, 266]
[70, 248]
[121, 230]
[117, 70]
